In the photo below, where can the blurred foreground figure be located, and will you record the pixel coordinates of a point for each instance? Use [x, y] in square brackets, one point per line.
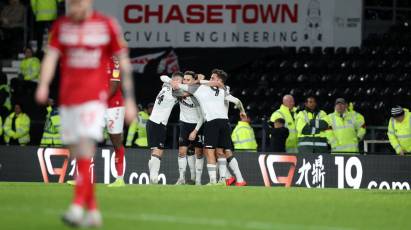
[84, 41]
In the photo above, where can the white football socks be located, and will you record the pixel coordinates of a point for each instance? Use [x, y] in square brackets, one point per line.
[191, 160]
[199, 169]
[222, 168]
[182, 165]
[154, 167]
[212, 173]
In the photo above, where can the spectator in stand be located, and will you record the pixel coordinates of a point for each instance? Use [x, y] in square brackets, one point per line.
[1, 126]
[12, 23]
[314, 129]
[51, 133]
[30, 66]
[287, 112]
[399, 130]
[17, 127]
[45, 12]
[279, 135]
[243, 135]
[5, 105]
[139, 126]
[348, 128]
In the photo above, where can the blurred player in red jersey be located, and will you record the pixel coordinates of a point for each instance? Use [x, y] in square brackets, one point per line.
[84, 40]
[115, 118]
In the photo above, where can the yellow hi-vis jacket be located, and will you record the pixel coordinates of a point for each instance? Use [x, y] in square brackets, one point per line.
[138, 126]
[1, 126]
[290, 123]
[304, 118]
[399, 133]
[30, 69]
[7, 102]
[348, 130]
[243, 137]
[51, 133]
[22, 129]
[44, 10]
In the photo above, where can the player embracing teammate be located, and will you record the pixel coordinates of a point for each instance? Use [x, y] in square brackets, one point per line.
[212, 97]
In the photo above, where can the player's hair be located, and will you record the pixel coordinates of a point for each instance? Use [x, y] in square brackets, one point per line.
[191, 73]
[221, 74]
[280, 120]
[177, 74]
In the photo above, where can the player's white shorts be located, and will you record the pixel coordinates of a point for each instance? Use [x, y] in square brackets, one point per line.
[115, 120]
[82, 121]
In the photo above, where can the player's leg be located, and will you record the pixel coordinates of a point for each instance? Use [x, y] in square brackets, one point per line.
[154, 164]
[182, 164]
[183, 143]
[82, 129]
[211, 131]
[191, 158]
[222, 165]
[85, 183]
[156, 135]
[115, 123]
[191, 161]
[199, 164]
[233, 165]
[211, 164]
[199, 155]
[119, 151]
[231, 160]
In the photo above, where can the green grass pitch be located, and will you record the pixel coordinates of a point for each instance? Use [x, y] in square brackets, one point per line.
[39, 206]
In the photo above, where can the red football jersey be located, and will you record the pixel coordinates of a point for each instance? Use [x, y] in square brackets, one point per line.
[85, 50]
[113, 71]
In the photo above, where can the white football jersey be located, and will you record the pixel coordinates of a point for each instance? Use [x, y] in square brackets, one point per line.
[211, 100]
[163, 105]
[189, 110]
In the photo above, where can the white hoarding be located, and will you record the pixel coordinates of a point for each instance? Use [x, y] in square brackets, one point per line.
[237, 23]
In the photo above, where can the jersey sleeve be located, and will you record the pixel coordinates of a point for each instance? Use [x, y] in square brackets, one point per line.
[117, 43]
[193, 89]
[54, 42]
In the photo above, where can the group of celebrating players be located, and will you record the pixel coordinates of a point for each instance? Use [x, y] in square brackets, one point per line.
[204, 126]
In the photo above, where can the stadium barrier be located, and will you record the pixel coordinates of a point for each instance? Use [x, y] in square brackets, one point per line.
[32, 164]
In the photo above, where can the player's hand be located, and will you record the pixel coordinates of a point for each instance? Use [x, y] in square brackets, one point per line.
[42, 94]
[243, 115]
[131, 110]
[175, 84]
[200, 77]
[192, 135]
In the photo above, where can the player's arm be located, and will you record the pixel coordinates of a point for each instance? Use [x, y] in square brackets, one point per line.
[165, 79]
[200, 122]
[114, 80]
[211, 83]
[191, 89]
[128, 87]
[236, 101]
[114, 85]
[199, 77]
[48, 68]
